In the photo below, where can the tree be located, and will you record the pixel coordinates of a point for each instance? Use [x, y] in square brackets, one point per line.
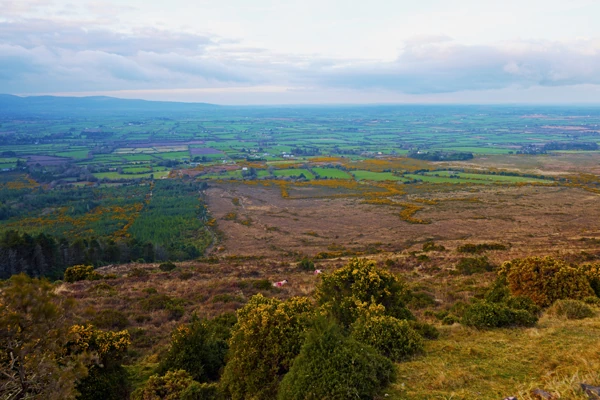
[33, 334]
[264, 342]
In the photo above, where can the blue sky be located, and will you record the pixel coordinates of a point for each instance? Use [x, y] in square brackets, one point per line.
[299, 52]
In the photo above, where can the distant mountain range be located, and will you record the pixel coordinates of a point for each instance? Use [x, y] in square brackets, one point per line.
[10, 104]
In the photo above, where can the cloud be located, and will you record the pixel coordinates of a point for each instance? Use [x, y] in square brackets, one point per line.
[442, 66]
[54, 55]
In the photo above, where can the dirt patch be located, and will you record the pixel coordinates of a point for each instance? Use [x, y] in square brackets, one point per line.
[532, 220]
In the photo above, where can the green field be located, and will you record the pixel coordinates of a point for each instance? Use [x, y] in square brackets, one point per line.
[332, 173]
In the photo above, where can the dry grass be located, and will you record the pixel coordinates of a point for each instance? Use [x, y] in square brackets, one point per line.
[466, 364]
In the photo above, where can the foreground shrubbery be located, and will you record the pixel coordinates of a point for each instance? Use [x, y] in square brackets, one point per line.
[264, 342]
[332, 365]
[343, 345]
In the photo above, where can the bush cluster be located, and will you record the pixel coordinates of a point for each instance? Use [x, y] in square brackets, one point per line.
[545, 280]
[81, 273]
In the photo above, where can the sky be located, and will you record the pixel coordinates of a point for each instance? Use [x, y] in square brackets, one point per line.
[304, 52]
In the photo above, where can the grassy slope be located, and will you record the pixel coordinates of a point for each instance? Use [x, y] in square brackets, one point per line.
[465, 363]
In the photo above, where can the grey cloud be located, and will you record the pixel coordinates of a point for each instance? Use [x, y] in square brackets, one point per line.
[438, 68]
[38, 55]
[81, 36]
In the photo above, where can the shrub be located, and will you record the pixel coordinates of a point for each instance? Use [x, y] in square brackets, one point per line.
[522, 303]
[473, 265]
[306, 264]
[81, 273]
[138, 273]
[450, 319]
[427, 331]
[167, 266]
[110, 319]
[332, 366]
[499, 291]
[104, 384]
[262, 284]
[571, 309]
[360, 281]
[185, 275]
[431, 246]
[594, 300]
[479, 248]
[265, 340]
[195, 349]
[421, 300]
[200, 391]
[545, 280]
[171, 386]
[592, 272]
[107, 380]
[495, 315]
[392, 337]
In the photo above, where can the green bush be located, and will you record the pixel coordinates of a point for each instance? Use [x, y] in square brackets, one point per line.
[420, 300]
[343, 292]
[431, 246]
[496, 315]
[499, 291]
[333, 366]
[545, 280]
[196, 349]
[306, 264]
[571, 309]
[262, 284]
[450, 319]
[427, 331]
[104, 384]
[265, 340]
[592, 272]
[167, 266]
[522, 303]
[473, 265]
[110, 319]
[479, 248]
[171, 386]
[81, 273]
[200, 391]
[392, 337]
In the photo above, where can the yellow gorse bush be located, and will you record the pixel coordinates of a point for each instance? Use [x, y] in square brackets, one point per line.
[545, 280]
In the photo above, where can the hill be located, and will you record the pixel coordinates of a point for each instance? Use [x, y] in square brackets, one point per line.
[57, 105]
